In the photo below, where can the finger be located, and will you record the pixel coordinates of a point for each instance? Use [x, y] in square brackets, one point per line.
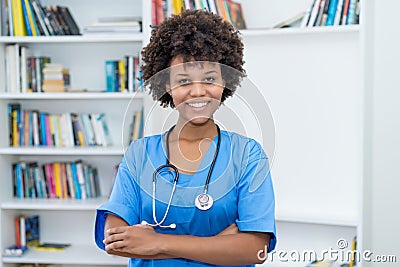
[119, 245]
[117, 230]
[113, 238]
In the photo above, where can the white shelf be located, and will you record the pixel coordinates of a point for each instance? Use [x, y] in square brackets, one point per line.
[321, 221]
[72, 96]
[54, 204]
[110, 38]
[295, 31]
[90, 151]
[76, 254]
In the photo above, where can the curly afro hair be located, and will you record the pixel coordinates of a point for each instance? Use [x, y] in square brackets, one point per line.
[194, 35]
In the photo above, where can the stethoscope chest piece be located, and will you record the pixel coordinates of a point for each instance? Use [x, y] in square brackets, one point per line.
[204, 201]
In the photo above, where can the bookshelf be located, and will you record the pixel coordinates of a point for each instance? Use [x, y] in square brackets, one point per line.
[84, 55]
[317, 113]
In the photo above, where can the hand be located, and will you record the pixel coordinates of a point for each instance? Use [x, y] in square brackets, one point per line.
[137, 239]
[230, 230]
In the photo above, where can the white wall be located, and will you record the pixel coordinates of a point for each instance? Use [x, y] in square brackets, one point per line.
[381, 216]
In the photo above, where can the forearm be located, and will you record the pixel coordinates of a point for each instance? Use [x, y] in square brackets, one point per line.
[232, 249]
[114, 221]
[135, 256]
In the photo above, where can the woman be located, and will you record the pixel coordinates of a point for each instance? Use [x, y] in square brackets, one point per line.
[220, 210]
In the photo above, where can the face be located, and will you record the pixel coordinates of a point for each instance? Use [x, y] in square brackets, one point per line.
[196, 89]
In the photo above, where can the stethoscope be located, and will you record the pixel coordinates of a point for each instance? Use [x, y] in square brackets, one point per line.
[203, 201]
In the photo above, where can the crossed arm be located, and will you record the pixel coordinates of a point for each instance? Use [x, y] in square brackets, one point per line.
[230, 247]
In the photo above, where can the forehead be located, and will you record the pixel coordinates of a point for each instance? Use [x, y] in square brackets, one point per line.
[193, 67]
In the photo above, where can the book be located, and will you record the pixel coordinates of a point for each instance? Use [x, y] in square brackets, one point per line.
[294, 21]
[14, 251]
[314, 13]
[331, 12]
[236, 15]
[52, 246]
[29, 230]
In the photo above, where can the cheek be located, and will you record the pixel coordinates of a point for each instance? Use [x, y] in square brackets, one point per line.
[177, 97]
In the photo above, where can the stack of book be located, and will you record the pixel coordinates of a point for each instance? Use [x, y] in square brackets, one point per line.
[115, 25]
[55, 78]
[31, 18]
[56, 180]
[231, 11]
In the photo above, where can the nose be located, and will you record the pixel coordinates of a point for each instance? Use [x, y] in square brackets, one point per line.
[197, 89]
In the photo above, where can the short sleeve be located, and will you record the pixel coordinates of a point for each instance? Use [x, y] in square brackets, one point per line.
[256, 201]
[123, 202]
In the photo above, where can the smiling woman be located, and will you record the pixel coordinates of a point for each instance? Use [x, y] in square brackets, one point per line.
[182, 197]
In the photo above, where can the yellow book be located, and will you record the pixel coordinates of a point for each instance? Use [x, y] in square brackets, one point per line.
[81, 138]
[353, 249]
[64, 180]
[177, 6]
[15, 135]
[121, 71]
[30, 16]
[59, 130]
[18, 18]
[57, 178]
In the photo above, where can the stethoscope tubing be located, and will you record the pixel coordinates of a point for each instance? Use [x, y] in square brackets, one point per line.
[169, 166]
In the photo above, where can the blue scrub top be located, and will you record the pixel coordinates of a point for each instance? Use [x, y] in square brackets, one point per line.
[240, 185]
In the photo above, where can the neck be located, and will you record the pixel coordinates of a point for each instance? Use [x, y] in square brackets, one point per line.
[189, 131]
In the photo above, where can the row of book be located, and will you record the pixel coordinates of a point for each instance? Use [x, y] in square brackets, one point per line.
[35, 128]
[123, 75]
[332, 13]
[57, 180]
[31, 18]
[231, 11]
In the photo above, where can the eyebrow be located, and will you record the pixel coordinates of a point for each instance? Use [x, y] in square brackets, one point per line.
[186, 75]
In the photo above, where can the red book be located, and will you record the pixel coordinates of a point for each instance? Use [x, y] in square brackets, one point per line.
[17, 232]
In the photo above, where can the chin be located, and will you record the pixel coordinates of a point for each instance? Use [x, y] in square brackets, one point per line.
[199, 121]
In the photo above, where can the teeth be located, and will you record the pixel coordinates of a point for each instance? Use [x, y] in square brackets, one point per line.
[197, 105]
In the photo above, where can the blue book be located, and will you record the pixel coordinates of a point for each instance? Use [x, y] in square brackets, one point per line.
[30, 130]
[351, 12]
[42, 129]
[76, 182]
[26, 18]
[110, 75]
[19, 182]
[33, 18]
[331, 12]
[86, 175]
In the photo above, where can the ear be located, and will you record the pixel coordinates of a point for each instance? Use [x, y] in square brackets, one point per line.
[168, 88]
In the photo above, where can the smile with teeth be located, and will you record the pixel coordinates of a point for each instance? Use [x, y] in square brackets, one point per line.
[198, 104]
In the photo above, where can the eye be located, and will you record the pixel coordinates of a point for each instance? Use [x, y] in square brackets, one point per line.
[184, 82]
[209, 79]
